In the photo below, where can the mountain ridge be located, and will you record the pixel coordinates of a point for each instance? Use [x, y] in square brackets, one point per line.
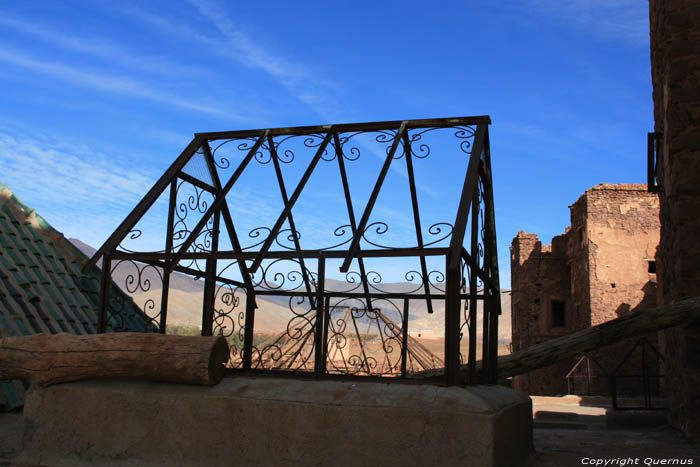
[273, 314]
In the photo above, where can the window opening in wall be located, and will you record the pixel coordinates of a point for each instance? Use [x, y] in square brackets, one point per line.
[558, 314]
[652, 267]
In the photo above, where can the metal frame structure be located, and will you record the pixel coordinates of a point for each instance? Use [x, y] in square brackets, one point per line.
[636, 385]
[655, 143]
[469, 275]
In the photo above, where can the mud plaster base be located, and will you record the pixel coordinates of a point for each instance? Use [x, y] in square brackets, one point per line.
[245, 421]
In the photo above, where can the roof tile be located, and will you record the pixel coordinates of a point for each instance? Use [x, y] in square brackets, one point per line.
[41, 286]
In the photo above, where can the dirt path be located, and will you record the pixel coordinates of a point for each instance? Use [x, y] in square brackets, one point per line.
[572, 431]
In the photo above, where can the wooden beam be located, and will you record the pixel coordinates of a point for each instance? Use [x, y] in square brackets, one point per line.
[633, 324]
[57, 358]
[549, 352]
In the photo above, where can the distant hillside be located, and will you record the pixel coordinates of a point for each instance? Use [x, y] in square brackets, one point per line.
[273, 315]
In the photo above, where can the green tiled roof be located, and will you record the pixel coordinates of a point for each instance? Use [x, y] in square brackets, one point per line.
[42, 289]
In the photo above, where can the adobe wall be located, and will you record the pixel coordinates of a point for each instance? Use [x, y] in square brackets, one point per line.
[275, 421]
[622, 232]
[578, 258]
[599, 267]
[539, 273]
[675, 67]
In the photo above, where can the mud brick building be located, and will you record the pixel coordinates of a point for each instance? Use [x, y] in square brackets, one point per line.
[675, 67]
[602, 267]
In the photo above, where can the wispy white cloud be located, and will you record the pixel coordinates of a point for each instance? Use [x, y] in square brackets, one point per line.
[112, 84]
[233, 42]
[167, 25]
[295, 77]
[292, 75]
[81, 192]
[304, 84]
[626, 20]
[100, 48]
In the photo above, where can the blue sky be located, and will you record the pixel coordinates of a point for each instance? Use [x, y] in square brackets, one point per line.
[97, 98]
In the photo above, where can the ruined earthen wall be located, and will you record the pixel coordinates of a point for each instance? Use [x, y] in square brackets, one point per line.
[599, 268]
[675, 66]
[539, 275]
[623, 234]
[578, 258]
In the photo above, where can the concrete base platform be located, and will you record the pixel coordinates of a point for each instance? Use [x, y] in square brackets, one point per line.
[266, 421]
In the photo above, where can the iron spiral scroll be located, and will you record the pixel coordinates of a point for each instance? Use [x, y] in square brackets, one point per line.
[345, 293]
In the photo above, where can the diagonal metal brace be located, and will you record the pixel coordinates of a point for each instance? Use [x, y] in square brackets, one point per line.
[218, 202]
[416, 219]
[290, 219]
[354, 246]
[228, 220]
[351, 214]
[127, 224]
[288, 208]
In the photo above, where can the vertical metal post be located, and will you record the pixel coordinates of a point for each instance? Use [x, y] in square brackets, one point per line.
[326, 319]
[210, 280]
[404, 338]
[105, 284]
[452, 308]
[488, 302]
[485, 334]
[168, 249]
[473, 300]
[590, 375]
[249, 328]
[320, 356]
[495, 305]
[645, 377]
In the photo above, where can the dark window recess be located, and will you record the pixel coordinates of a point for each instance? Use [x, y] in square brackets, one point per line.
[558, 314]
[652, 267]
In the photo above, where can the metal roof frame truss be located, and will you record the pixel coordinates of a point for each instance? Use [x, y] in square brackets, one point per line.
[324, 333]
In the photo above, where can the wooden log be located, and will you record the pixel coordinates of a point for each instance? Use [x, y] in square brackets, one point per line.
[56, 358]
[551, 351]
[633, 324]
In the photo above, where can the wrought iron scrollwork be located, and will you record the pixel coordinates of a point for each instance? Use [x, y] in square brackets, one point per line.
[229, 319]
[364, 341]
[282, 274]
[292, 349]
[132, 235]
[128, 314]
[437, 230]
[355, 317]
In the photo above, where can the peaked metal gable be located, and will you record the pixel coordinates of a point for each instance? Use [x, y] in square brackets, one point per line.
[196, 247]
